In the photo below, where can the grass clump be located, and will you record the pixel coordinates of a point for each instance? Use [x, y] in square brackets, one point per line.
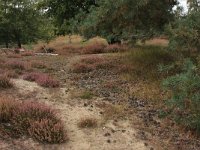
[5, 82]
[91, 63]
[145, 60]
[86, 95]
[88, 123]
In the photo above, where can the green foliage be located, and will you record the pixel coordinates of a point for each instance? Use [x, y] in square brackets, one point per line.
[64, 10]
[184, 33]
[22, 22]
[87, 95]
[185, 100]
[126, 19]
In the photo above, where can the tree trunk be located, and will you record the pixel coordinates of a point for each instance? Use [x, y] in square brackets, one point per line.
[19, 43]
[6, 43]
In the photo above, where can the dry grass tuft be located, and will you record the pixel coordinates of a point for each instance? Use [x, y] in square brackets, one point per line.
[38, 64]
[95, 48]
[27, 53]
[88, 123]
[91, 63]
[86, 95]
[5, 82]
[14, 56]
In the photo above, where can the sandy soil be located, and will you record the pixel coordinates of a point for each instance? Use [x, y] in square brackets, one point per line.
[112, 135]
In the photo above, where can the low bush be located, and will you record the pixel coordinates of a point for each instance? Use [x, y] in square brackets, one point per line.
[184, 104]
[20, 65]
[41, 79]
[47, 81]
[27, 113]
[32, 119]
[92, 60]
[14, 56]
[114, 48]
[91, 63]
[38, 65]
[11, 74]
[95, 48]
[82, 68]
[33, 76]
[27, 53]
[6, 109]
[5, 82]
[48, 131]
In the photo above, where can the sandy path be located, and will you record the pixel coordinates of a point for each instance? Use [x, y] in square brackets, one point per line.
[112, 135]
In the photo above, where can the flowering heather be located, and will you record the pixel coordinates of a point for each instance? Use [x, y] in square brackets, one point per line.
[14, 56]
[92, 60]
[113, 48]
[27, 54]
[38, 65]
[17, 65]
[48, 131]
[41, 79]
[32, 119]
[33, 76]
[47, 81]
[96, 48]
[30, 111]
[82, 68]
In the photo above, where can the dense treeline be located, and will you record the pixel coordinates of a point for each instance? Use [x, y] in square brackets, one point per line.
[27, 21]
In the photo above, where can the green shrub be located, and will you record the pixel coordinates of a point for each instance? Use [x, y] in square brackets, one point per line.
[184, 103]
[184, 33]
[87, 95]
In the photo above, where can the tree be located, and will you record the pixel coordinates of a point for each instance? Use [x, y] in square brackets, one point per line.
[184, 33]
[4, 24]
[194, 5]
[21, 22]
[126, 19]
[63, 11]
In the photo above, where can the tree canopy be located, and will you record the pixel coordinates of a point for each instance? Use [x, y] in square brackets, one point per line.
[21, 22]
[126, 19]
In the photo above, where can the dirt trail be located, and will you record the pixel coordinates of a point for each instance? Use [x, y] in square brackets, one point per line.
[111, 135]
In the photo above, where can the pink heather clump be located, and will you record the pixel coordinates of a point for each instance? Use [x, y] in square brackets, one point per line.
[95, 48]
[33, 76]
[41, 79]
[82, 68]
[27, 53]
[17, 65]
[91, 60]
[47, 81]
